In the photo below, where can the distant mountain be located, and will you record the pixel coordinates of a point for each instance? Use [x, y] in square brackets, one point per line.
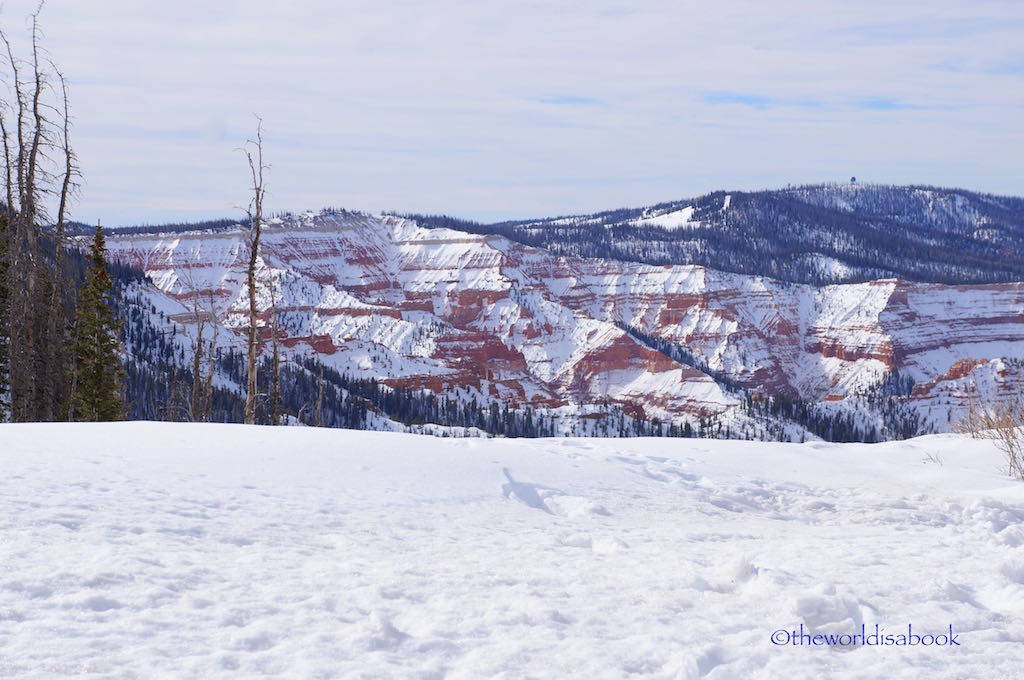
[439, 325]
[821, 234]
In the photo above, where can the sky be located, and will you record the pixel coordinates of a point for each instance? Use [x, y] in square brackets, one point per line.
[495, 110]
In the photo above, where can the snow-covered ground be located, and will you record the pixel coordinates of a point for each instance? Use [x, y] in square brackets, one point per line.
[158, 550]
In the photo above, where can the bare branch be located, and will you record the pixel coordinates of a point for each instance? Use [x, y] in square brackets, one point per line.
[255, 213]
[20, 101]
[7, 171]
[1000, 419]
[69, 158]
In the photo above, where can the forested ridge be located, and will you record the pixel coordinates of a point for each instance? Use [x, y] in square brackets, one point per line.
[817, 234]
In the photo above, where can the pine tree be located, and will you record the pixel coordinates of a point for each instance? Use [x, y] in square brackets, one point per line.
[98, 374]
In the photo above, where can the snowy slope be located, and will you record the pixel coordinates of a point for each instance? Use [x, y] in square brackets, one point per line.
[383, 298]
[817, 234]
[441, 309]
[672, 219]
[227, 551]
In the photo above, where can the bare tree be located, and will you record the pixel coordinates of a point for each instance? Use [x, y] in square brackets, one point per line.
[58, 329]
[1000, 419]
[211, 363]
[199, 318]
[320, 396]
[255, 213]
[20, 317]
[275, 393]
[202, 316]
[39, 167]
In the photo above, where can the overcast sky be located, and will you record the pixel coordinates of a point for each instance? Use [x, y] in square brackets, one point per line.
[494, 109]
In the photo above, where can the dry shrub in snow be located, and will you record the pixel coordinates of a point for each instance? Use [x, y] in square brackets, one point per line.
[1000, 419]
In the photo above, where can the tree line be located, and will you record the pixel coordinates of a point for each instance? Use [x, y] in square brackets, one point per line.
[60, 332]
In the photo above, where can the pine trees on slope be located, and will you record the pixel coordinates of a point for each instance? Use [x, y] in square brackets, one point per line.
[96, 386]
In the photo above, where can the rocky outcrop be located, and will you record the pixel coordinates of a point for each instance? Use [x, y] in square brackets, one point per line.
[446, 310]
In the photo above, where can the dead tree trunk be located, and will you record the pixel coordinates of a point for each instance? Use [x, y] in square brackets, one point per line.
[211, 364]
[6, 222]
[196, 407]
[36, 312]
[275, 394]
[255, 212]
[57, 336]
[36, 377]
[320, 397]
[19, 308]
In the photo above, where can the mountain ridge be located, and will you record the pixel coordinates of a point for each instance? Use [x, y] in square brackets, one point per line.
[482, 317]
[949, 235]
[819, 234]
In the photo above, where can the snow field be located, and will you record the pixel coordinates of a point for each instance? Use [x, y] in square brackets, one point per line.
[168, 550]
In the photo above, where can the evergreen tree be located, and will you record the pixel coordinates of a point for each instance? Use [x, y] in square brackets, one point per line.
[98, 373]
